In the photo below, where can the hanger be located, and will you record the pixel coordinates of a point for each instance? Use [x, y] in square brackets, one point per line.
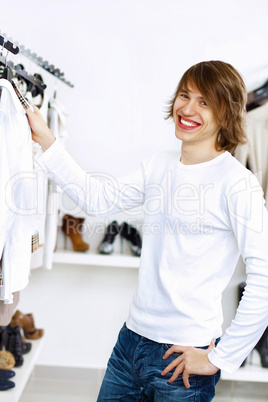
[40, 62]
[257, 97]
[7, 70]
[9, 45]
[31, 80]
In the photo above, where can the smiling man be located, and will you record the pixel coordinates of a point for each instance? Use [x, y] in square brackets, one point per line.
[195, 125]
[212, 211]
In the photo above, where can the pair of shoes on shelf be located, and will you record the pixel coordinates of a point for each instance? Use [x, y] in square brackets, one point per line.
[5, 383]
[73, 228]
[13, 340]
[127, 232]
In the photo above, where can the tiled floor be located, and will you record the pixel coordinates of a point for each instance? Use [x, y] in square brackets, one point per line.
[84, 388]
[47, 390]
[56, 384]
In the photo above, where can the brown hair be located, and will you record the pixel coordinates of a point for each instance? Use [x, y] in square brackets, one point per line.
[224, 90]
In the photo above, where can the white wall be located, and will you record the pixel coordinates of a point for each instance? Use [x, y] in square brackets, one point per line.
[125, 58]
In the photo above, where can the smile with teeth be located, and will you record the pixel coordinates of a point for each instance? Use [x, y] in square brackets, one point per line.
[188, 123]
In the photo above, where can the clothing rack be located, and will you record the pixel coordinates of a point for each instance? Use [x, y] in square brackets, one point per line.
[258, 97]
[5, 41]
[9, 46]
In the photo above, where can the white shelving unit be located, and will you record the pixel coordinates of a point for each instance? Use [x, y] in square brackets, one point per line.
[23, 372]
[91, 258]
[252, 372]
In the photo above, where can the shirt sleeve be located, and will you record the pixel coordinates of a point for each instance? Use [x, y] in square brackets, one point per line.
[98, 194]
[244, 205]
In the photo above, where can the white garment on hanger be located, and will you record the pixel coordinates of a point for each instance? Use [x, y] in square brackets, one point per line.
[41, 195]
[57, 120]
[57, 124]
[16, 193]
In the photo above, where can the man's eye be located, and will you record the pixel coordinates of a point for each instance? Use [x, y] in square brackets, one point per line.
[184, 96]
[204, 103]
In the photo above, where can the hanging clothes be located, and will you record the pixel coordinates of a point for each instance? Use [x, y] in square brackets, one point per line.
[57, 121]
[16, 193]
[41, 195]
[254, 154]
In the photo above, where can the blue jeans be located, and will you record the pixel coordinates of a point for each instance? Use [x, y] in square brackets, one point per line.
[134, 374]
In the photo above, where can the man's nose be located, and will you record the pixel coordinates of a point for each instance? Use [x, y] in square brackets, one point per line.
[189, 109]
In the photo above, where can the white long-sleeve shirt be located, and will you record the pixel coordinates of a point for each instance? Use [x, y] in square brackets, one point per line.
[198, 219]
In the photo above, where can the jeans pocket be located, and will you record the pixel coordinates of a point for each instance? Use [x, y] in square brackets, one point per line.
[167, 346]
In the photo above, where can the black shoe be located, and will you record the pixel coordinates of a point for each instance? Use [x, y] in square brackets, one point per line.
[25, 347]
[5, 385]
[262, 348]
[6, 374]
[2, 331]
[14, 344]
[131, 234]
[112, 231]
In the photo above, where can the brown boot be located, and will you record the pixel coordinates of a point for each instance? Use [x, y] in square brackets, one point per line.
[72, 227]
[26, 322]
[17, 319]
[29, 330]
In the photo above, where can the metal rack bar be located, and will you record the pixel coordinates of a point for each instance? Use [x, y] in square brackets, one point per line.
[56, 72]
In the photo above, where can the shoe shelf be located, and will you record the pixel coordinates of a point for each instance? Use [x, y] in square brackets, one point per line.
[92, 258]
[252, 371]
[23, 372]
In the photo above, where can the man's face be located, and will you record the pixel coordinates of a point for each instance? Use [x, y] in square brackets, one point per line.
[193, 117]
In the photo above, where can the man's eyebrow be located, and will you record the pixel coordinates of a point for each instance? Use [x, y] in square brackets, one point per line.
[186, 91]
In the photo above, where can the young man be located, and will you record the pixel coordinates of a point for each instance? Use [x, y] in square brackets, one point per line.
[208, 210]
